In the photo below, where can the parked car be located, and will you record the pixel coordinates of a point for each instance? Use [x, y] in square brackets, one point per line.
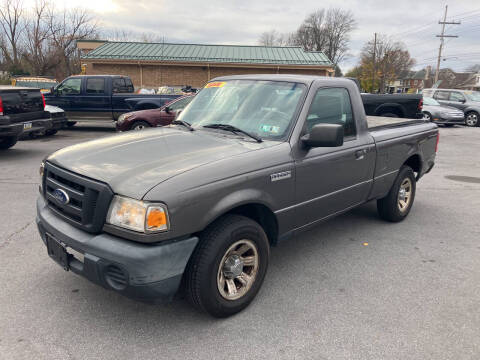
[441, 114]
[22, 111]
[253, 160]
[101, 97]
[391, 105]
[465, 100]
[59, 119]
[138, 120]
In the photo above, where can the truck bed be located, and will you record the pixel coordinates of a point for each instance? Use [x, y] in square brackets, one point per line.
[379, 122]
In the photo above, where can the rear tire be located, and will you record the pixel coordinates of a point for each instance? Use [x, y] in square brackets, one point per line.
[397, 204]
[472, 119]
[51, 132]
[8, 142]
[71, 123]
[228, 266]
[139, 125]
[427, 116]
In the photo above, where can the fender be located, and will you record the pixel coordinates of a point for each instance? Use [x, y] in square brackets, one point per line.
[386, 106]
[234, 200]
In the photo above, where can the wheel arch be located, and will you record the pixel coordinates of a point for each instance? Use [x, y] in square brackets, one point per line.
[416, 163]
[390, 108]
[253, 208]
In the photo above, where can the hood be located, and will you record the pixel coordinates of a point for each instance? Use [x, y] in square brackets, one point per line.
[134, 162]
[146, 113]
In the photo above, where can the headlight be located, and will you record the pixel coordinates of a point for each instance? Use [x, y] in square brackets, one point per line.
[41, 171]
[137, 215]
[124, 117]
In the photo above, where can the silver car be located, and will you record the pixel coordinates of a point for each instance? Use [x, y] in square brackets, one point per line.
[441, 114]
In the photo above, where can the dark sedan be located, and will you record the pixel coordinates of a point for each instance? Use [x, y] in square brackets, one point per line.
[441, 114]
[138, 120]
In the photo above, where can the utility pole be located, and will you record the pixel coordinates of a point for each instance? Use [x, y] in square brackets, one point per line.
[374, 65]
[442, 36]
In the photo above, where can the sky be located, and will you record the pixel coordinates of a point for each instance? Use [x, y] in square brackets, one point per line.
[415, 22]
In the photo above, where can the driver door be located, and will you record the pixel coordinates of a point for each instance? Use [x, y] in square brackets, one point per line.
[332, 179]
[65, 95]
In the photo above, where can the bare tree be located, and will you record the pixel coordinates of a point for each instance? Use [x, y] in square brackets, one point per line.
[11, 12]
[66, 27]
[392, 59]
[38, 50]
[327, 31]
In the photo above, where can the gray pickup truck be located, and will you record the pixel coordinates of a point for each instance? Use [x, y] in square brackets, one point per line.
[195, 206]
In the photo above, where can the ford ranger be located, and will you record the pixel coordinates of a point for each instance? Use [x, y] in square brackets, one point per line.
[196, 205]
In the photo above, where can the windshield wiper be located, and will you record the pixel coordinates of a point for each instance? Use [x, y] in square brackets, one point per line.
[233, 129]
[183, 123]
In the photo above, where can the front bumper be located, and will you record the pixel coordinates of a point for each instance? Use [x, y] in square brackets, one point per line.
[152, 272]
[449, 120]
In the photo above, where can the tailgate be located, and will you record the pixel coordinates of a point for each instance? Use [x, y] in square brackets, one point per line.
[22, 104]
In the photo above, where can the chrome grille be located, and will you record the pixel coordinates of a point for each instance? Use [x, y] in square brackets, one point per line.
[87, 200]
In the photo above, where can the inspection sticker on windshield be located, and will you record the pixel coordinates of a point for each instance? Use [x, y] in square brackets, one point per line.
[215, 84]
[270, 129]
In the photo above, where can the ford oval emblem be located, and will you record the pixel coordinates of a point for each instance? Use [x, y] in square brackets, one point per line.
[61, 196]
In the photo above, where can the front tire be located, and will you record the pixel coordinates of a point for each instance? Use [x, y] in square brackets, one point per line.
[472, 119]
[228, 266]
[8, 142]
[427, 116]
[397, 204]
[139, 125]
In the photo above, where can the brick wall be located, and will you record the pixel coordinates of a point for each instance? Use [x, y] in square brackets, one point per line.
[196, 76]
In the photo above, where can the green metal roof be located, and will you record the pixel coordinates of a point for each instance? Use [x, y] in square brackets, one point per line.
[288, 55]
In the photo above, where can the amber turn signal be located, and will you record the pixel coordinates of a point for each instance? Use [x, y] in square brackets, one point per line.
[156, 219]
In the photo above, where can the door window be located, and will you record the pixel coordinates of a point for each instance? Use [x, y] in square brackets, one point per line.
[180, 104]
[332, 106]
[456, 96]
[442, 95]
[95, 86]
[70, 87]
[119, 85]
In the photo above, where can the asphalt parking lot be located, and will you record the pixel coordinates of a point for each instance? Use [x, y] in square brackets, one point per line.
[353, 288]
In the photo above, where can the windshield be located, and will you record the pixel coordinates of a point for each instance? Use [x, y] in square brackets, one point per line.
[473, 95]
[430, 101]
[262, 108]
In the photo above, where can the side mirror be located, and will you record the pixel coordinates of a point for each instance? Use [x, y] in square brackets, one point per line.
[52, 90]
[324, 135]
[168, 110]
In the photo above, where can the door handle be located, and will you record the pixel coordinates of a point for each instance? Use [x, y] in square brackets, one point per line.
[360, 154]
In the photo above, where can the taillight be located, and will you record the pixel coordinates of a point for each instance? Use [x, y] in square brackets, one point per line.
[1, 106]
[438, 140]
[420, 105]
[43, 99]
